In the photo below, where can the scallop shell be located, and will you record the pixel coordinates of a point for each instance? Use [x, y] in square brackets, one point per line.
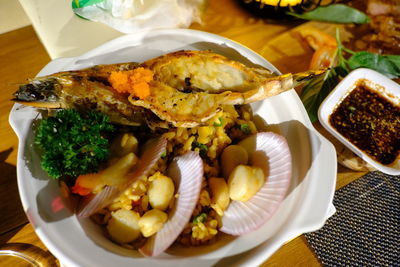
[187, 172]
[270, 152]
[153, 150]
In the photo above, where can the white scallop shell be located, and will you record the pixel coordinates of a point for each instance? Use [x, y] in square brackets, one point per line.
[187, 172]
[270, 152]
[91, 204]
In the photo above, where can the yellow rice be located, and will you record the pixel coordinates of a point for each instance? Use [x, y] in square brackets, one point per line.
[216, 135]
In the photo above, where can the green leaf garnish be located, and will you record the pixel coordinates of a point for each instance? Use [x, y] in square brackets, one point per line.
[314, 92]
[395, 59]
[383, 64]
[337, 13]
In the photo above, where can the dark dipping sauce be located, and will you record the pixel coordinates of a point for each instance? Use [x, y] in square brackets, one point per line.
[369, 121]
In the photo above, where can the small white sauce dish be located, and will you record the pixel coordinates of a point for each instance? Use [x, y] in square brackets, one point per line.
[385, 87]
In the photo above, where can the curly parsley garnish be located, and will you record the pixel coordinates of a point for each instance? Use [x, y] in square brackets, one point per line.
[73, 143]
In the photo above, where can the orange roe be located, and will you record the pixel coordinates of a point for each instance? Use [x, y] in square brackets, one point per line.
[134, 82]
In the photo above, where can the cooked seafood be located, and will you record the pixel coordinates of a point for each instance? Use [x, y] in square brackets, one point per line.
[187, 172]
[323, 44]
[382, 34]
[82, 89]
[191, 109]
[185, 88]
[205, 71]
[93, 202]
[168, 186]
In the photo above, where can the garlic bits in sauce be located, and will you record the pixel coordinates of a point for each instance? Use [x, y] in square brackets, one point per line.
[370, 121]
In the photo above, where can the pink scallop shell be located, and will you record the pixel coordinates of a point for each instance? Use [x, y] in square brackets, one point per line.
[270, 152]
[187, 172]
[153, 150]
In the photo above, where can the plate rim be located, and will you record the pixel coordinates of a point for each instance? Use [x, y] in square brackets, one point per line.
[257, 257]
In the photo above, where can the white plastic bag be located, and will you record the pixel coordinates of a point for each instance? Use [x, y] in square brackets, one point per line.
[128, 16]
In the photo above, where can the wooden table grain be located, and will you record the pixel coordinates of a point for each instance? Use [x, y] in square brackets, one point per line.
[22, 56]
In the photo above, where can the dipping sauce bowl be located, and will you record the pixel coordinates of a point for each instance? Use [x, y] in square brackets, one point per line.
[363, 112]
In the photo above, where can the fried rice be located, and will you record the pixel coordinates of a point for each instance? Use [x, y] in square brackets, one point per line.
[230, 125]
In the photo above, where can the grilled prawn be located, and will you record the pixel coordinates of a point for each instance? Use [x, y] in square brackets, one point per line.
[82, 89]
[183, 88]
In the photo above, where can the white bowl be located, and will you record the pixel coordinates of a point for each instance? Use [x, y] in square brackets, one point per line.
[389, 90]
[80, 242]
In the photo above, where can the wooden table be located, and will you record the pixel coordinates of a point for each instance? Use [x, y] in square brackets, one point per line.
[22, 56]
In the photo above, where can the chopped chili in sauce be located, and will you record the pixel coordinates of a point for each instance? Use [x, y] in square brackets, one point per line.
[369, 121]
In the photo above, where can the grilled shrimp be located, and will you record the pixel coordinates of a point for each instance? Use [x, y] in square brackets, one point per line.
[323, 44]
[205, 71]
[186, 89]
[82, 89]
[184, 109]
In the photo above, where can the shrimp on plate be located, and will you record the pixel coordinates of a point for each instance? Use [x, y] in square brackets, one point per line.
[183, 88]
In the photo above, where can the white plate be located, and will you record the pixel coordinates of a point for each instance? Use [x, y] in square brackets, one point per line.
[390, 90]
[77, 242]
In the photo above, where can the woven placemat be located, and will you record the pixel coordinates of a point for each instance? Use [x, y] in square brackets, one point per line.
[365, 230]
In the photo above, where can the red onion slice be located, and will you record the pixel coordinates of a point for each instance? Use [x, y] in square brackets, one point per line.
[270, 152]
[93, 203]
[187, 173]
